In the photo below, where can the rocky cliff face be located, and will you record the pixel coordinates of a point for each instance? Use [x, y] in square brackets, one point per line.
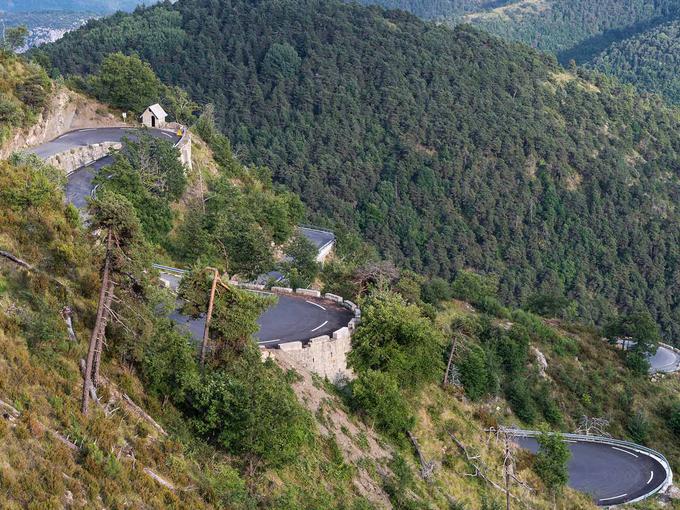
[66, 111]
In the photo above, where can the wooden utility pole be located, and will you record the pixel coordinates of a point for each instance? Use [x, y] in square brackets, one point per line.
[507, 466]
[208, 317]
[87, 375]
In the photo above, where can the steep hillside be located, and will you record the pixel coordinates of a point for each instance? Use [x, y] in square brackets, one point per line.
[650, 60]
[444, 148]
[24, 92]
[158, 437]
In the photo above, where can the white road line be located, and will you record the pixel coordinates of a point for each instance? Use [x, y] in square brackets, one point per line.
[319, 327]
[316, 304]
[614, 497]
[651, 477]
[624, 451]
[269, 341]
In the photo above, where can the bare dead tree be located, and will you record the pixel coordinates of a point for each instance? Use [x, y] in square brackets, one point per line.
[426, 467]
[593, 426]
[101, 334]
[67, 315]
[451, 376]
[87, 376]
[375, 273]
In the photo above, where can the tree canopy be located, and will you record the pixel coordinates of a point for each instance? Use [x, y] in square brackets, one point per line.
[446, 149]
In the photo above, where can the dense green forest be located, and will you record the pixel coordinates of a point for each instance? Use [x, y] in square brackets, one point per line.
[576, 29]
[445, 148]
[650, 60]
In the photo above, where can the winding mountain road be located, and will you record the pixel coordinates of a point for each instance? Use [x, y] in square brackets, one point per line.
[293, 318]
[666, 359]
[612, 474]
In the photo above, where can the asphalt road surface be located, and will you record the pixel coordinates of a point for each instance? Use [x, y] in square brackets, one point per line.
[319, 238]
[610, 474]
[292, 318]
[665, 359]
[91, 136]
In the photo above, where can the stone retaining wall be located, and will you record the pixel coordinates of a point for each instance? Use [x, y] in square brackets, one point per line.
[184, 144]
[324, 355]
[77, 157]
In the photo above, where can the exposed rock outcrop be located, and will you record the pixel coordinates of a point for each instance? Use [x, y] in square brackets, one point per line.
[66, 111]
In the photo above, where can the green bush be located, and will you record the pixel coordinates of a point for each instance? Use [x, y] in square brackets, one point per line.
[474, 375]
[247, 408]
[395, 338]
[169, 365]
[674, 418]
[519, 397]
[377, 395]
[551, 461]
[638, 426]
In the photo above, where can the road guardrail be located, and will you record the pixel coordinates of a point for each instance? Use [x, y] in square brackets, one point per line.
[659, 457]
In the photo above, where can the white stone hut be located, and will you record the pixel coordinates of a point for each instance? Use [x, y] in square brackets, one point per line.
[154, 116]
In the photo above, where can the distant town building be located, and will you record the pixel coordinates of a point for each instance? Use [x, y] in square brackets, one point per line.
[154, 116]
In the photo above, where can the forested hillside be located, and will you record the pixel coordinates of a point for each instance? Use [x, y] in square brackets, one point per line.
[650, 60]
[445, 148]
[576, 29]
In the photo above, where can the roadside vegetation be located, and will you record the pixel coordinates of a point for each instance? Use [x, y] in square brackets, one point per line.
[439, 364]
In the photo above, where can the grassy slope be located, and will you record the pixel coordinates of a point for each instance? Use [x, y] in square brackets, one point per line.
[346, 466]
[590, 378]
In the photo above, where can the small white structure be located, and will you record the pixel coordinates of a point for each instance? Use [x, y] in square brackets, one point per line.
[154, 116]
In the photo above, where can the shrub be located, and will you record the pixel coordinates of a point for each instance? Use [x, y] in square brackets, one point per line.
[520, 400]
[394, 337]
[674, 418]
[247, 408]
[474, 375]
[377, 395]
[638, 427]
[169, 363]
[435, 291]
[551, 460]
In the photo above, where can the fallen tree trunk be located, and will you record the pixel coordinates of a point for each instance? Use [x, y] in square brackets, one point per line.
[16, 260]
[426, 468]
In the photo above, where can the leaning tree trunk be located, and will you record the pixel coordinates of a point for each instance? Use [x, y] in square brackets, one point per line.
[208, 317]
[101, 335]
[87, 376]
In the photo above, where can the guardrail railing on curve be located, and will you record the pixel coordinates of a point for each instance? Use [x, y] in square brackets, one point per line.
[659, 457]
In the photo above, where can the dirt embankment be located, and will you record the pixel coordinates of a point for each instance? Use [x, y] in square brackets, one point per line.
[66, 111]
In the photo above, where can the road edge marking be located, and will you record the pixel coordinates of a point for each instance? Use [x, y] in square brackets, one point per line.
[614, 497]
[316, 304]
[624, 451]
[319, 327]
